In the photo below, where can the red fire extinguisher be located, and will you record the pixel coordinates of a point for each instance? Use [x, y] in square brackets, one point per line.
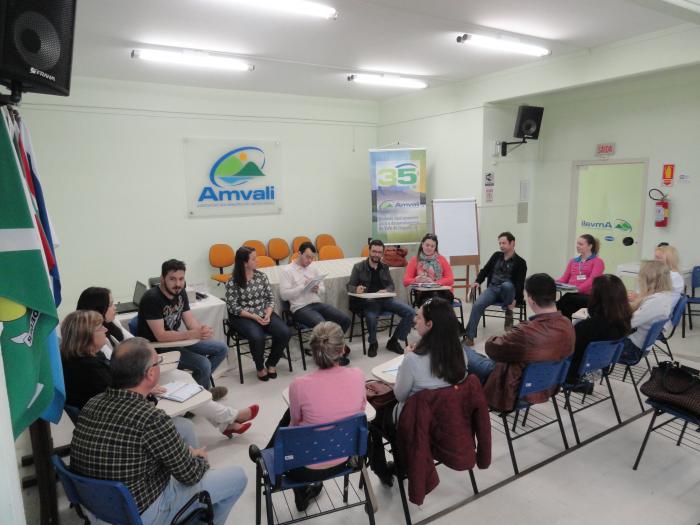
[660, 207]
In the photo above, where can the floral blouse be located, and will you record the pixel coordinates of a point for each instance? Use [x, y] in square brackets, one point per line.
[255, 297]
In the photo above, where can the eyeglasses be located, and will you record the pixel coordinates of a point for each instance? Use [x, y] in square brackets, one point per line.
[157, 363]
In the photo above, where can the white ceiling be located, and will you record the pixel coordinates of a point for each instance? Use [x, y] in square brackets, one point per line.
[294, 54]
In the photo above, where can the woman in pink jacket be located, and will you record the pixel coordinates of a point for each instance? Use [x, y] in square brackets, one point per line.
[580, 273]
[429, 268]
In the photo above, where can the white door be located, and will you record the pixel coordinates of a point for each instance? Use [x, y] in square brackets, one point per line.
[610, 206]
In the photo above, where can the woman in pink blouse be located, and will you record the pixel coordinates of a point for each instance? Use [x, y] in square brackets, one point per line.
[429, 267]
[580, 273]
[330, 393]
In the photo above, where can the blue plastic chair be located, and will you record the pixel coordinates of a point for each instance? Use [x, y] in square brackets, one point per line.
[692, 300]
[675, 413]
[112, 502]
[599, 355]
[676, 317]
[134, 325]
[629, 362]
[537, 377]
[301, 446]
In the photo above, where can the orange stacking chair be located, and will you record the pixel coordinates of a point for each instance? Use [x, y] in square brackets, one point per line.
[258, 246]
[264, 261]
[365, 251]
[330, 252]
[278, 249]
[324, 240]
[221, 256]
[296, 242]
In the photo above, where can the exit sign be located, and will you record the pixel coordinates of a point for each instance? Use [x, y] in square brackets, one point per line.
[604, 150]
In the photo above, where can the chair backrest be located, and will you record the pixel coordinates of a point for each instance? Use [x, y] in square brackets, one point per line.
[265, 262]
[309, 444]
[258, 246]
[296, 242]
[109, 501]
[278, 249]
[330, 252]
[134, 325]
[678, 310]
[221, 256]
[653, 334]
[599, 355]
[294, 256]
[695, 279]
[324, 239]
[544, 375]
[365, 251]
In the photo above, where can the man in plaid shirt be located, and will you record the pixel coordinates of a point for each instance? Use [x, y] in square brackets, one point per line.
[122, 436]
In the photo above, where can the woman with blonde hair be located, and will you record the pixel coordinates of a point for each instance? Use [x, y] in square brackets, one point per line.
[669, 256]
[654, 303]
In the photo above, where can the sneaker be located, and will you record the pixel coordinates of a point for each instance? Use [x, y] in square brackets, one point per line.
[303, 497]
[344, 361]
[508, 323]
[394, 346]
[372, 350]
[218, 392]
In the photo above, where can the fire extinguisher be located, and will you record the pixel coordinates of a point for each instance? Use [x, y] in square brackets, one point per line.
[660, 207]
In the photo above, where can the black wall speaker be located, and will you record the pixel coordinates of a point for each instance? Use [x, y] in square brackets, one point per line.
[527, 125]
[36, 45]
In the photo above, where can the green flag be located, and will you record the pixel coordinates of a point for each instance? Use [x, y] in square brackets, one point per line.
[27, 308]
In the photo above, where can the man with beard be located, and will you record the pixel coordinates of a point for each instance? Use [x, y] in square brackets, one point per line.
[371, 276]
[161, 311]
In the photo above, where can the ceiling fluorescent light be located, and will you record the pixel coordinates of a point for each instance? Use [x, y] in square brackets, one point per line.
[503, 44]
[186, 57]
[297, 7]
[693, 5]
[387, 80]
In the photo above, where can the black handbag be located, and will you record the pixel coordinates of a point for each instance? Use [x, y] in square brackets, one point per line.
[674, 384]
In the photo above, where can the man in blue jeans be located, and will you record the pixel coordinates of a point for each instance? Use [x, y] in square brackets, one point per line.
[505, 274]
[371, 276]
[161, 312]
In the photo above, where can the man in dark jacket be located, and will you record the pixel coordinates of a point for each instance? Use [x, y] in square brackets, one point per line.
[372, 276]
[505, 274]
[547, 336]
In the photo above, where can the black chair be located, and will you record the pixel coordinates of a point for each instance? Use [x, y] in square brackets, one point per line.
[675, 413]
[111, 501]
[456, 303]
[496, 310]
[537, 377]
[300, 328]
[599, 355]
[360, 314]
[305, 445]
[238, 340]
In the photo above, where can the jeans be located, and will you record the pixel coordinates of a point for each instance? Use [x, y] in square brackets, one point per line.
[374, 307]
[185, 428]
[478, 364]
[631, 353]
[225, 486]
[315, 313]
[500, 293]
[255, 334]
[203, 358]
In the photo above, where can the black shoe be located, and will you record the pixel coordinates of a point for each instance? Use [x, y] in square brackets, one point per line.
[344, 361]
[394, 346]
[303, 497]
[584, 388]
[372, 350]
[188, 415]
[385, 474]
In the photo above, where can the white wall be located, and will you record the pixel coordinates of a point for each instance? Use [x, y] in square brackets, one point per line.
[111, 161]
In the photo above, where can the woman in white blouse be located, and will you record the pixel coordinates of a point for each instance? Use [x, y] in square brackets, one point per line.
[669, 256]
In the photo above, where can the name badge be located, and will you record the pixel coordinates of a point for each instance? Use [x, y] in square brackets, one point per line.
[580, 277]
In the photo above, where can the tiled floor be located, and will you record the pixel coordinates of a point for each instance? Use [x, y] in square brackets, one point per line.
[592, 483]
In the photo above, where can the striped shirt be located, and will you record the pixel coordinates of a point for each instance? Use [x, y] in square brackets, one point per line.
[123, 437]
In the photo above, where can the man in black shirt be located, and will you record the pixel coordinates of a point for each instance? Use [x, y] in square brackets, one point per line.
[371, 276]
[505, 272]
[161, 312]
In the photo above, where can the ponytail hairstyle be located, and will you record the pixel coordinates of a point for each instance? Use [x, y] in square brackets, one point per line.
[592, 242]
[327, 344]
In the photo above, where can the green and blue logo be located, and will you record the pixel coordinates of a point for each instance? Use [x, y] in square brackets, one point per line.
[235, 168]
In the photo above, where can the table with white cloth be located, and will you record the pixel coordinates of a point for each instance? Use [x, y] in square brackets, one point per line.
[337, 273]
[209, 311]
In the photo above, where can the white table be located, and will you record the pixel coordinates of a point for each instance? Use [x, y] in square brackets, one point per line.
[209, 311]
[631, 270]
[175, 408]
[387, 371]
[337, 276]
[370, 412]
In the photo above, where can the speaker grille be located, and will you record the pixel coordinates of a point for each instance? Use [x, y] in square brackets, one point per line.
[36, 40]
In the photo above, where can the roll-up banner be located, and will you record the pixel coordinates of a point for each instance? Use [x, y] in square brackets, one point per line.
[398, 178]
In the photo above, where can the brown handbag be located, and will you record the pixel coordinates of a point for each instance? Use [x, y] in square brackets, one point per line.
[394, 256]
[379, 394]
[676, 385]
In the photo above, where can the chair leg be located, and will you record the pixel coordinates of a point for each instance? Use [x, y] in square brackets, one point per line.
[368, 502]
[690, 317]
[680, 438]
[510, 445]
[352, 327]
[636, 390]
[258, 490]
[362, 329]
[668, 348]
[612, 398]
[404, 499]
[346, 482]
[527, 413]
[646, 438]
[567, 396]
[561, 423]
[301, 348]
[515, 419]
[240, 361]
[473, 481]
[289, 358]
